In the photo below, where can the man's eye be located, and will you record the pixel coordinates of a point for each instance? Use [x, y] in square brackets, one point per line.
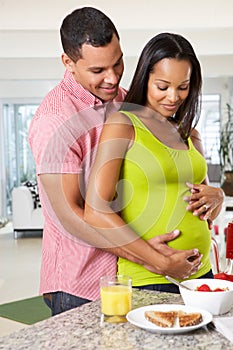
[98, 71]
[118, 63]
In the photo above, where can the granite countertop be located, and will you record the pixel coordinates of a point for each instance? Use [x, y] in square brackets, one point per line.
[80, 328]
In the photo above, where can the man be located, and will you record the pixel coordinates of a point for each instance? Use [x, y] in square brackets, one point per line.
[63, 136]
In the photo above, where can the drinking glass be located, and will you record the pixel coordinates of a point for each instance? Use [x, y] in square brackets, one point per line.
[116, 298]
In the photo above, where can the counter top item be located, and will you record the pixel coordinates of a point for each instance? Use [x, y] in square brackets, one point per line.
[80, 328]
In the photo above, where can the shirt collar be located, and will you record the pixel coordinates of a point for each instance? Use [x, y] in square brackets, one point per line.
[78, 91]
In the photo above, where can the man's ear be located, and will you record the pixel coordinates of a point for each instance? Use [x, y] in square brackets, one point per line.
[68, 63]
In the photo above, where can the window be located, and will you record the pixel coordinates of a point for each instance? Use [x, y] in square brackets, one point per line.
[209, 127]
[19, 162]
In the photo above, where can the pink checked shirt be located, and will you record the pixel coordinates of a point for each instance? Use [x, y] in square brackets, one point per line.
[63, 136]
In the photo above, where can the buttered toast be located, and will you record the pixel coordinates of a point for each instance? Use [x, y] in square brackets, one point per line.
[189, 319]
[161, 318]
[167, 319]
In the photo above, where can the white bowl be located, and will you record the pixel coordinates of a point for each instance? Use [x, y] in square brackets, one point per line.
[215, 302]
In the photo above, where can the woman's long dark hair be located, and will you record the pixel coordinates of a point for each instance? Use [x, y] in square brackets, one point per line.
[168, 45]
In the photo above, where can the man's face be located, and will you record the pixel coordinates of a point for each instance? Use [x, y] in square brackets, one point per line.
[99, 70]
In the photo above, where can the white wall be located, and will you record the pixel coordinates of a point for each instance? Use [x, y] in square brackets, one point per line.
[127, 14]
[30, 45]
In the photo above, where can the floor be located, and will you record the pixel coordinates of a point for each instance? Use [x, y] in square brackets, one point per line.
[19, 271]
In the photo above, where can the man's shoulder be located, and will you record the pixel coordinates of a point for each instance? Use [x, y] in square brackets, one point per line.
[122, 92]
[59, 100]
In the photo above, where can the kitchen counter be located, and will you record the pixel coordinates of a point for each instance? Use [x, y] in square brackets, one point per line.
[80, 328]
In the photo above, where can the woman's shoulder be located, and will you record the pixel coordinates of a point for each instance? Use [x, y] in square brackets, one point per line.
[118, 125]
[196, 140]
[118, 118]
[195, 134]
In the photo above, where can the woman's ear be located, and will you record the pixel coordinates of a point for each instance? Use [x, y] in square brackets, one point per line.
[68, 63]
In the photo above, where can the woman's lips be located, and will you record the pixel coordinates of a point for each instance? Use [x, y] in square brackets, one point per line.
[170, 107]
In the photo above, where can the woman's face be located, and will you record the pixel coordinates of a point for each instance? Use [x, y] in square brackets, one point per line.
[168, 86]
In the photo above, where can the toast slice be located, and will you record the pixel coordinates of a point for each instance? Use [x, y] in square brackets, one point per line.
[161, 318]
[189, 319]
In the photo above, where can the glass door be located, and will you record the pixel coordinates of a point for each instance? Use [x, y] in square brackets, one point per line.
[18, 159]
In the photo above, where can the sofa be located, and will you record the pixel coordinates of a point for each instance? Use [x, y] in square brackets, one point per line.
[26, 209]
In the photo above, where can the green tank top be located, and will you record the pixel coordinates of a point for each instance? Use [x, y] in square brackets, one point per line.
[152, 187]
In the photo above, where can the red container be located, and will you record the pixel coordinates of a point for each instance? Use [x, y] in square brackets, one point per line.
[229, 241]
[223, 276]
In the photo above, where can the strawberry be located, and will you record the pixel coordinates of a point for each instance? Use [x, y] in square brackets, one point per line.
[204, 288]
[218, 290]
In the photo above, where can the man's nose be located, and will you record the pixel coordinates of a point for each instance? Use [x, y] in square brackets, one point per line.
[111, 77]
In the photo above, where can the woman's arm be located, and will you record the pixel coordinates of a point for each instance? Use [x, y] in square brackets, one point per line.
[204, 196]
[115, 139]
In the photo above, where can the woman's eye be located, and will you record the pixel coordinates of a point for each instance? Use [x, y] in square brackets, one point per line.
[183, 88]
[162, 88]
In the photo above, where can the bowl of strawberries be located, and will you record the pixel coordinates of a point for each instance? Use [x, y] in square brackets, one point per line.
[213, 295]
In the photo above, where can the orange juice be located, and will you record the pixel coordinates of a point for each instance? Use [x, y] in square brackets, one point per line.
[116, 300]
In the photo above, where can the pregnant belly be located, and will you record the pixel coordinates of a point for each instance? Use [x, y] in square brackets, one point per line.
[194, 233]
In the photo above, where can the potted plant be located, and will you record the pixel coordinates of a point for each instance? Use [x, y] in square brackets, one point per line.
[225, 152]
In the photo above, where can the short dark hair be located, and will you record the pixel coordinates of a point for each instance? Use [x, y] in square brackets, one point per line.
[85, 25]
[168, 45]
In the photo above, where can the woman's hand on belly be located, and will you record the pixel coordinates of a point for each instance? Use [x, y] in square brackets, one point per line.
[205, 201]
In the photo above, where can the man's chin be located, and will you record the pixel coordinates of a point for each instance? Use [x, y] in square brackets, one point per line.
[107, 97]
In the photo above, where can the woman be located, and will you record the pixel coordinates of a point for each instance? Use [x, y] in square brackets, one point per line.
[151, 146]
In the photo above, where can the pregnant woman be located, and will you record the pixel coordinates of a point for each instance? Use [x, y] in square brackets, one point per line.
[150, 157]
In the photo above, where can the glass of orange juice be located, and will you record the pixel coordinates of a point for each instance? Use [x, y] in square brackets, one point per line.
[116, 297]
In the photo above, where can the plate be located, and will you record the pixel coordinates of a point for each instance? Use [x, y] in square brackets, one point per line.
[137, 318]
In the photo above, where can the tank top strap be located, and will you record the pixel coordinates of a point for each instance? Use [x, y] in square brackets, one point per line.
[134, 119]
